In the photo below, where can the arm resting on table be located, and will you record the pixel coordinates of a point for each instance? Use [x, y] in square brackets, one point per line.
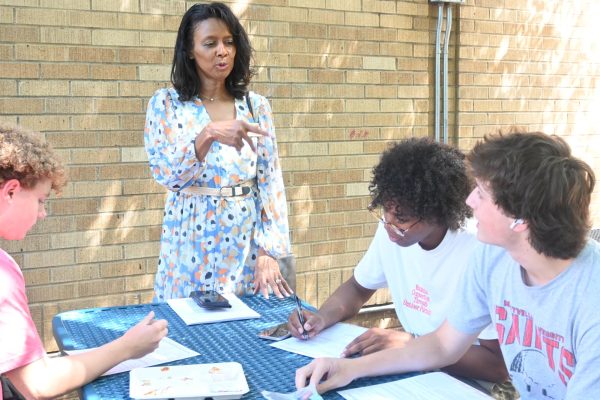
[483, 361]
[344, 303]
[442, 347]
[50, 377]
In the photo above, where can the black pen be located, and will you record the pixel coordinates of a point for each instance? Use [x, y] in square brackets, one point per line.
[300, 316]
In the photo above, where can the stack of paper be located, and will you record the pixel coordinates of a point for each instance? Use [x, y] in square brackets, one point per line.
[328, 343]
[432, 386]
[192, 314]
[168, 350]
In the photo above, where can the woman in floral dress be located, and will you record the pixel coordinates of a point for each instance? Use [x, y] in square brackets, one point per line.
[212, 144]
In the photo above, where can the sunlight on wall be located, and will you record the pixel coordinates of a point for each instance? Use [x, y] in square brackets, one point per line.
[239, 7]
[547, 56]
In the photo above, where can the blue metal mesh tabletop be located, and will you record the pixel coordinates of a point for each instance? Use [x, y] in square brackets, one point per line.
[266, 367]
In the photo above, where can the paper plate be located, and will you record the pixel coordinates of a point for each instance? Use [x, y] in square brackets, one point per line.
[198, 381]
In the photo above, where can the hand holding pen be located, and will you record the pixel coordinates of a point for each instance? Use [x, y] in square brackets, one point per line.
[300, 316]
[304, 324]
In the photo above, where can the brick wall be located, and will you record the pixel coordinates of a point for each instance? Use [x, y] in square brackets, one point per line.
[344, 78]
[531, 63]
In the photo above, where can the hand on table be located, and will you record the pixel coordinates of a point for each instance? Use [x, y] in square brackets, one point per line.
[376, 339]
[314, 323]
[144, 337]
[234, 133]
[326, 374]
[267, 274]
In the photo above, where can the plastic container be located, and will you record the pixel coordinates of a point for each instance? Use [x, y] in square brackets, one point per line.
[221, 381]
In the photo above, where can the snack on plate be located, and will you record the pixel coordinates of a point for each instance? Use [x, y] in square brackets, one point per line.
[218, 381]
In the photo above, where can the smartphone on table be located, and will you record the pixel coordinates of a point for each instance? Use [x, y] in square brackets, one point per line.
[277, 332]
[209, 299]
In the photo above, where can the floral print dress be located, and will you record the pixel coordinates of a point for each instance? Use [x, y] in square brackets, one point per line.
[211, 242]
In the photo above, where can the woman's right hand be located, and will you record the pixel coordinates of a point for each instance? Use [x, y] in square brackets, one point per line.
[233, 133]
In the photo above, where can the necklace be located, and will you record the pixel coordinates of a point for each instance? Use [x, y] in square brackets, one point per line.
[209, 98]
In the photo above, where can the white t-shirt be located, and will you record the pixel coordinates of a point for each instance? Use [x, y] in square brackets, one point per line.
[423, 283]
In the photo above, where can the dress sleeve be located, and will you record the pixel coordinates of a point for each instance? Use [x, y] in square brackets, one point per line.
[273, 231]
[169, 142]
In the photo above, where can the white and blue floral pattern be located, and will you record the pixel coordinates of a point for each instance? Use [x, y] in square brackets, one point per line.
[211, 242]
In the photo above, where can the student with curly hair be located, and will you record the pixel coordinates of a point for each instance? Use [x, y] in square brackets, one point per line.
[419, 252]
[29, 172]
[535, 277]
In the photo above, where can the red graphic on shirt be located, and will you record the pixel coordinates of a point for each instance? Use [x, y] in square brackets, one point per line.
[420, 300]
[516, 326]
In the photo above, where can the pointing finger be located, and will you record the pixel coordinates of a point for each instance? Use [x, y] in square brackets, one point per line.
[254, 129]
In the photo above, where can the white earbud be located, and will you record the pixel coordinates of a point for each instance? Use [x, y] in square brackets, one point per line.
[517, 221]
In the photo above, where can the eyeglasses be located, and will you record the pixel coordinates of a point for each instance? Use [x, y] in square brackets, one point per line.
[378, 213]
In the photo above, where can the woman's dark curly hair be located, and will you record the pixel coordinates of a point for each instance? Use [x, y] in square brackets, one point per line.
[184, 77]
[422, 179]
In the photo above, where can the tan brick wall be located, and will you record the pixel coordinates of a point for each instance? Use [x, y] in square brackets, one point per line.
[344, 78]
[534, 64]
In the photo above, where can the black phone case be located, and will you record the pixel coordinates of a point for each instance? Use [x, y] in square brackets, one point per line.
[209, 299]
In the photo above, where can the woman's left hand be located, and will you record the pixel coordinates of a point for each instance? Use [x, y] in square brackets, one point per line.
[267, 273]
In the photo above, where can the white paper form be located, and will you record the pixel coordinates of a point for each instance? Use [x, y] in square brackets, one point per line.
[192, 314]
[432, 386]
[328, 343]
[168, 350]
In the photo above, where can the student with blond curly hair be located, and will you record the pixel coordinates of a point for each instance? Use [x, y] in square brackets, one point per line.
[29, 172]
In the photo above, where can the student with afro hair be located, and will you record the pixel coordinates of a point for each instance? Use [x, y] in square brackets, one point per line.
[535, 276]
[419, 252]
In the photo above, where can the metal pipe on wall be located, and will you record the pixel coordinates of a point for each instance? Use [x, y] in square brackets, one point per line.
[445, 78]
[438, 35]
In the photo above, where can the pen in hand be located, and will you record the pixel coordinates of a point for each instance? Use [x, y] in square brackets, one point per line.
[300, 316]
